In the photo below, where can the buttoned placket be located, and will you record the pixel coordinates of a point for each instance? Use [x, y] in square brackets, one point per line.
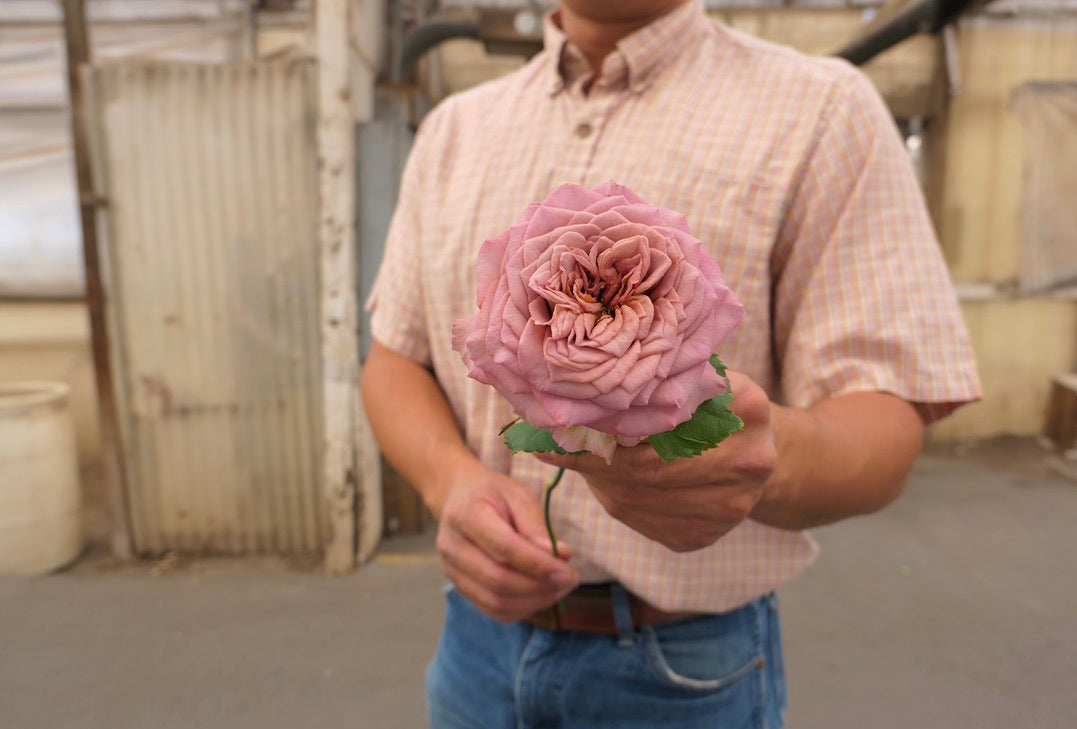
[588, 116]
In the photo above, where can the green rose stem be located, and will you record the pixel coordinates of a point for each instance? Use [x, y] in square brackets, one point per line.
[553, 538]
[546, 508]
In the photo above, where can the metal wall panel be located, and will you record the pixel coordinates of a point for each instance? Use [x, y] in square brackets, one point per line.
[209, 175]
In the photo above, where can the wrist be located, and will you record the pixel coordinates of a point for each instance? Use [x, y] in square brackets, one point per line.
[455, 467]
[792, 430]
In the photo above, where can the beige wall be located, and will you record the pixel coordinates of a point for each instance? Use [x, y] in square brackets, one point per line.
[984, 151]
[1020, 345]
[50, 341]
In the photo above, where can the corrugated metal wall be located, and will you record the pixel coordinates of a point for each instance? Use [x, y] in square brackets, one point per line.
[210, 178]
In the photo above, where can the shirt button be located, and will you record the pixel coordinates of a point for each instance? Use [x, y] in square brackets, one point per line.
[583, 130]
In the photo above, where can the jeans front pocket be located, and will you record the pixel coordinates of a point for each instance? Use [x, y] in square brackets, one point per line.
[706, 654]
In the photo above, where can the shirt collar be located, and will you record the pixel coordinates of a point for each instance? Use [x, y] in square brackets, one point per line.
[636, 60]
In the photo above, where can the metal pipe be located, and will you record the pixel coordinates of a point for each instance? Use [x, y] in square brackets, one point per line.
[930, 16]
[422, 38]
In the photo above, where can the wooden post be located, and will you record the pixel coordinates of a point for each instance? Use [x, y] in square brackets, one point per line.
[365, 54]
[339, 314]
[1061, 422]
[77, 45]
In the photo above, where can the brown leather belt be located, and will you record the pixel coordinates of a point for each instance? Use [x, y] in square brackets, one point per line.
[589, 609]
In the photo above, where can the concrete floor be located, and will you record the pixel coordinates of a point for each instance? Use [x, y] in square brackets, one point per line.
[954, 608]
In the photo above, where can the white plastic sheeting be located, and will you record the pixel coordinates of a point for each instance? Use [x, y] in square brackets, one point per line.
[40, 248]
[48, 11]
[39, 234]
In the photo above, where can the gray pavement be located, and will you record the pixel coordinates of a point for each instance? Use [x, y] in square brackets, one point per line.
[954, 608]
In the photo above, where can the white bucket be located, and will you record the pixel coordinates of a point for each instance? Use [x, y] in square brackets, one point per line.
[40, 515]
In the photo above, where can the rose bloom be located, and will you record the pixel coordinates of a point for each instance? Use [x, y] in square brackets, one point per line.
[597, 316]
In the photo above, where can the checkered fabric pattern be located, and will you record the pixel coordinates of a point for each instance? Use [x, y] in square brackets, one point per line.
[788, 168]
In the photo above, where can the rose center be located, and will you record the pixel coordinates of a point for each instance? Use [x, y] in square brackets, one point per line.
[588, 286]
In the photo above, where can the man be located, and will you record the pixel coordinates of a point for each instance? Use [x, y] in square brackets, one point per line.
[791, 173]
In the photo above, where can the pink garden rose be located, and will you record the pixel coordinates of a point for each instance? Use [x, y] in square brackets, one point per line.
[597, 316]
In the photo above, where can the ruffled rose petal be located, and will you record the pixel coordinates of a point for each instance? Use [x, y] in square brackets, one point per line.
[597, 315]
[580, 438]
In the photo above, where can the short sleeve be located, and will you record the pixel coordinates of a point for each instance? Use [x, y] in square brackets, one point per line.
[396, 300]
[862, 297]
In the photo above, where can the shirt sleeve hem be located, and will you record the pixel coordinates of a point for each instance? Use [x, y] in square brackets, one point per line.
[401, 343]
[933, 401]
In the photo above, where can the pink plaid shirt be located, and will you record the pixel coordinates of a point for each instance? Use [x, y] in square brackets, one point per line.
[788, 168]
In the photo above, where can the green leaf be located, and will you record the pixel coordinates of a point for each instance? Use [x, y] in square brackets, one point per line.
[719, 367]
[522, 436]
[711, 423]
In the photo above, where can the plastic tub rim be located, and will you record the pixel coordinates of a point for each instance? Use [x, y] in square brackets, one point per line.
[16, 398]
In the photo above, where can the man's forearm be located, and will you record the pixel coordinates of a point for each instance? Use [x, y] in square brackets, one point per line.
[413, 423]
[847, 456]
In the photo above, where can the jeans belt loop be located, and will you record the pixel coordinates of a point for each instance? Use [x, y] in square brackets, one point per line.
[622, 614]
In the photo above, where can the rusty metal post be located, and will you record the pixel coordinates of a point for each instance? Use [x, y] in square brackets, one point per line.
[77, 46]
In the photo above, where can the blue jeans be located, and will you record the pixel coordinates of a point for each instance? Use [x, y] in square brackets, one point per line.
[718, 672]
